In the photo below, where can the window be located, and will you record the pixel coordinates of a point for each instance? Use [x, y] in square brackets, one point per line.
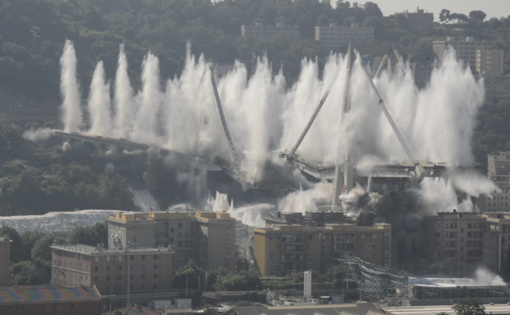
[107, 278]
[131, 277]
[96, 278]
[131, 257]
[180, 226]
[96, 259]
[143, 267]
[172, 240]
[96, 268]
[143, 286]
[155, 286]
[143, 257]
[107, 268]
[72, 306]
[107, 258]
[155, 257]
[143, 276]
[156, 266]
[171, 230]
[131, 287]
[120, 277]
[154, 276]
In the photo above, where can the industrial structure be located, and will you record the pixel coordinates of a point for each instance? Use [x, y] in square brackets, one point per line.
[376, 283]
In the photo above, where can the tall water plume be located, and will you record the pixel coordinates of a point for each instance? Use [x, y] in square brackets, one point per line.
[123, 98]
[70, 89]
[145, 125]
[99, 103]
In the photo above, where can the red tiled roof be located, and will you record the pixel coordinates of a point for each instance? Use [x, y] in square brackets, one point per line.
[47, 293]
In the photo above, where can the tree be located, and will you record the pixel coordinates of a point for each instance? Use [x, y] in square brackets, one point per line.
[477, 15]
[30, 273]
[89, 235]
[29, 238]
[469, 307]
[42, 250]
[444, 15]
[187, 276]
[16, 248]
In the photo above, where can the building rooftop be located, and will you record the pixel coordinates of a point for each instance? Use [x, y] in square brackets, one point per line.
[329, 309]
[46, 293]
[136, 310]
[87, 250]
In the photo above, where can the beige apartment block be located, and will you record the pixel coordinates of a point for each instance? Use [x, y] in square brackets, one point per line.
[216, 240]
[496, 243]
[5, 244]
[205, 237]
[112, 271]
[465, 49]
[337, 37]
[489, 62]
[287, 249]
[499, 173]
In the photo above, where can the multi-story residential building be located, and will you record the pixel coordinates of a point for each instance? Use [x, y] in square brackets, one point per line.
[496, 242]
[5, 244]
[499, 173]
[489, 62]
[286, 249]
[216, 240]
[466, 50]
[262, 31]
[455, 240]
[419, 19]
[189, 235]
[309, 219]
[337, 37]
[50, 300]
[112, 270]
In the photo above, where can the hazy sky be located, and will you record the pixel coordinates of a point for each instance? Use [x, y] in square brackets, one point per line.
[493, 8]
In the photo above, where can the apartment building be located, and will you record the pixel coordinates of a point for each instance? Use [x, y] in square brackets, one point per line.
[455, 240]
[5, 247]
[337, 37]
[191, 236]
[499, 172]
[309, 219]
[286, 249]
[112, 271]
[260, 30]
[419, 19]
[489, 62]
[466, 50]
[496, 242]
[216, 240]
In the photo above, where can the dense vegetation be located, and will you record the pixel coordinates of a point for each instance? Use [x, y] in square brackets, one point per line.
[34, 180]
[30, 252]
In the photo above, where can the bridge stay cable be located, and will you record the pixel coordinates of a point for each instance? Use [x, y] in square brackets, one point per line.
[237, 162]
